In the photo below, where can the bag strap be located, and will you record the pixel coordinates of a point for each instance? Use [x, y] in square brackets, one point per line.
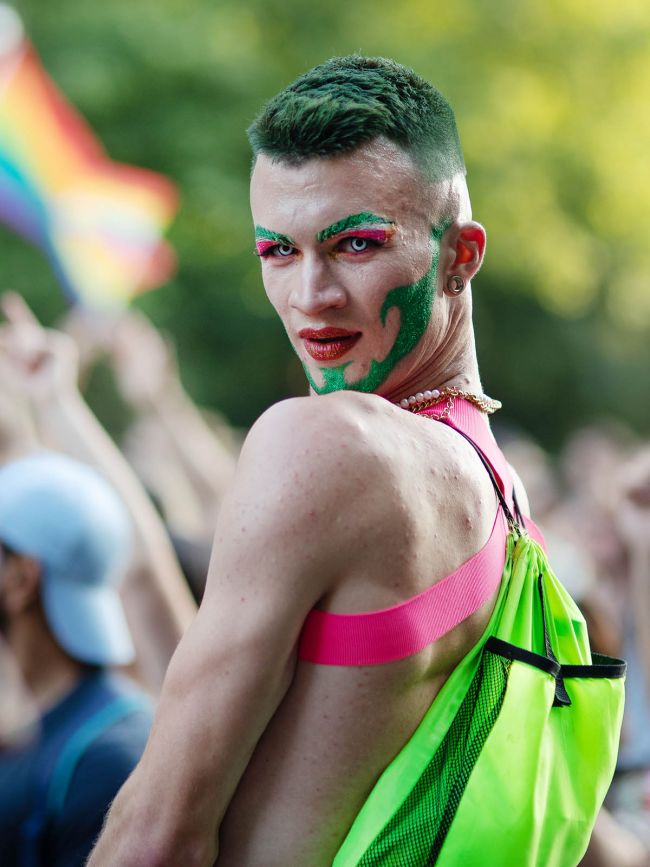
[561, 695]
[77, 745]
[518, 512]
[58, 763]
[513, 523]
[516, 522]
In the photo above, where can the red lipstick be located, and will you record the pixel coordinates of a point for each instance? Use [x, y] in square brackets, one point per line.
[328, 344]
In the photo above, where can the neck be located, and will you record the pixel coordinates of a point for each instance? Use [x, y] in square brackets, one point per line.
[47, 670]
[454, 363]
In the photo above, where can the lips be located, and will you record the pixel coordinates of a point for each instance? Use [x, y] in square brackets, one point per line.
[328, 344]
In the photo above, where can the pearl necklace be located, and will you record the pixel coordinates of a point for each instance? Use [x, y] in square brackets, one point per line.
[425, 399]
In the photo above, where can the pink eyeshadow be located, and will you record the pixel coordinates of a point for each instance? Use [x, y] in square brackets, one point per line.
[262, 245]
[371, 234]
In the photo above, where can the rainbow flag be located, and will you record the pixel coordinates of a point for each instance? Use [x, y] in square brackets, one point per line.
[98, 221]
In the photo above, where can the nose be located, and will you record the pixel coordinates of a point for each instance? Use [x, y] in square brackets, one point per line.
[316, 288]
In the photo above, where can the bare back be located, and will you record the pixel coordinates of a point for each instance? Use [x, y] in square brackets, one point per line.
[338, 727]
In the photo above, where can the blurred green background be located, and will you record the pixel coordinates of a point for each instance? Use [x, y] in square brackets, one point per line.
[551, 99]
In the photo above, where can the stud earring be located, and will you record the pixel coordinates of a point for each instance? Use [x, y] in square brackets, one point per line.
[455, 285]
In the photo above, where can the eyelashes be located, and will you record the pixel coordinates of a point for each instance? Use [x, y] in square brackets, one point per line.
[263, 247]
[376, 236]
[361, 241]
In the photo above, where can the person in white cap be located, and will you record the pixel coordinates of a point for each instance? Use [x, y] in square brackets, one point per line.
[64, 543]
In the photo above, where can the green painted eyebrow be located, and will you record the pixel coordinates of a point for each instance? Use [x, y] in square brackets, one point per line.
[268, 235]
[351, 222]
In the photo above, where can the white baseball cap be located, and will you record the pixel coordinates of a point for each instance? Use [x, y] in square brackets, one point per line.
[67, 517]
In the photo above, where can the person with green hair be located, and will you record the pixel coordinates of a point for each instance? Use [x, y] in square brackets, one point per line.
[384, 671]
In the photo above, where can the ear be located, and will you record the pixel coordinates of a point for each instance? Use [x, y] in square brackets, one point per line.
[21, 583]
[468, 250]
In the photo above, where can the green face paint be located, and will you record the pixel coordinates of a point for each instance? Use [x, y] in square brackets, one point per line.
[268, 235]
[352, 222]
[414, 303]
[265, 238]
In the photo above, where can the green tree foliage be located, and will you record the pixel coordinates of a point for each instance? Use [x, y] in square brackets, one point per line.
[551, 99]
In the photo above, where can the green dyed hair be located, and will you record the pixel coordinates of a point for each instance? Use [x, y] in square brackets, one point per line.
[349, 101]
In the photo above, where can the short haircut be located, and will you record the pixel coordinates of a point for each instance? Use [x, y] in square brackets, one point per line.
[349, 101]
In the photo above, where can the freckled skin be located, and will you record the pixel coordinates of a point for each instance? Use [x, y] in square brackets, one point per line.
[348, 505]
[368, 712]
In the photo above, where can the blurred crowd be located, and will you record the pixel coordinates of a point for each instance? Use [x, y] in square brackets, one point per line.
[104, 551]
[170, 472]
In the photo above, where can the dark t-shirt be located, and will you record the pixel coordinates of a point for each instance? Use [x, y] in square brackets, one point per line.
[99, 773]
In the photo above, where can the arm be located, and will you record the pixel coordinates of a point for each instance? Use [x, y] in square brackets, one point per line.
[273, 558]
[147, 375]
[157, 600]
[17, 432]
[156, 597]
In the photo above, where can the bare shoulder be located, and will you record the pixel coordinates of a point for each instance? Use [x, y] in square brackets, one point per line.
[348, 408]
[352, 440]
[324, 437]
[332, 486]
[351, 452]
[311, 467]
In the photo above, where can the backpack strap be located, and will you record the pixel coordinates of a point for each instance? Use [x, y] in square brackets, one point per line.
[516, 522]
[561, 695]
[518, 513]
[77, 745]
[513, 523]
[59, 761]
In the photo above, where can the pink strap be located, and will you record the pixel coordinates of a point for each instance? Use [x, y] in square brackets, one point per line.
[402, 630]
[394, 633]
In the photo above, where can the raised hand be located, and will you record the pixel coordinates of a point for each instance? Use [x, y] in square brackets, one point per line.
[144, 363]
[37, 362]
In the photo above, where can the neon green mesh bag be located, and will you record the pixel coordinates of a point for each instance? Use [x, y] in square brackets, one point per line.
[513, 759]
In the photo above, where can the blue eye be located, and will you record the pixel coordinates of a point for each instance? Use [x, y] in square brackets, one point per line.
[283, 250]
[359, 245]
